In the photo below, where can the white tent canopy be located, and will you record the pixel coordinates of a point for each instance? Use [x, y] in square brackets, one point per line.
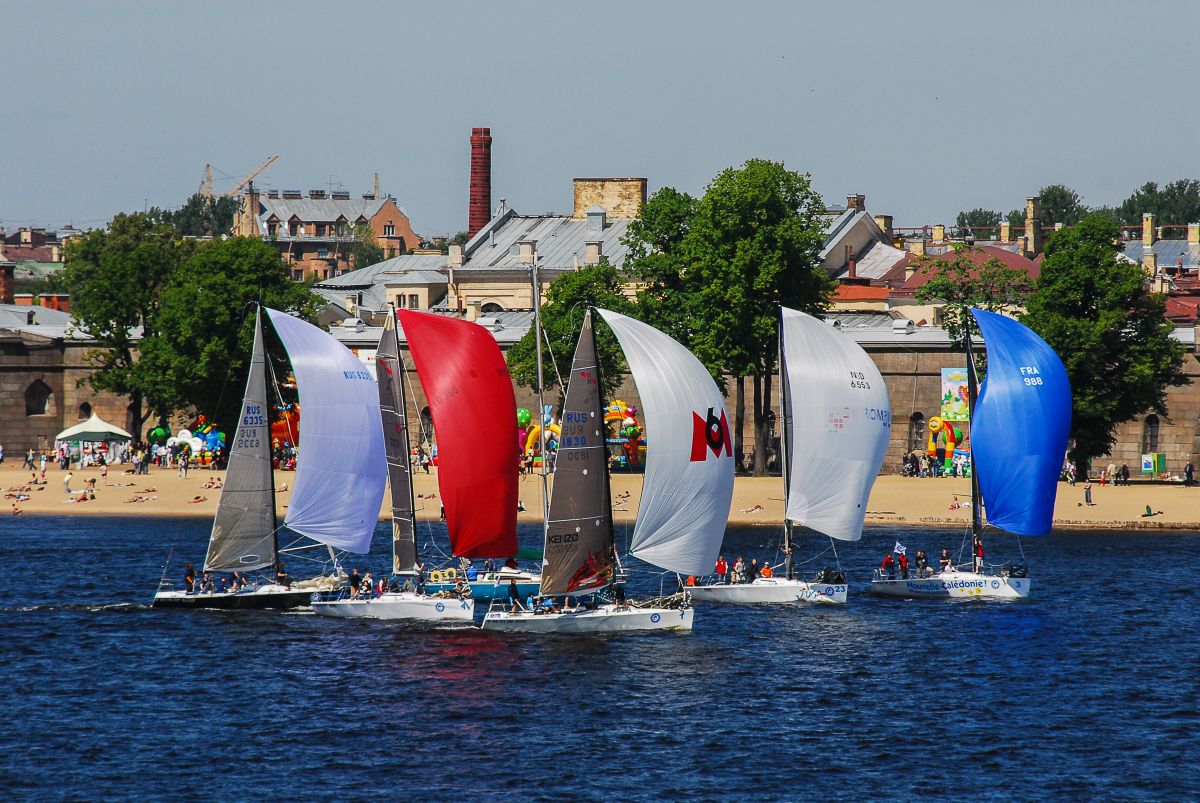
[92, 430]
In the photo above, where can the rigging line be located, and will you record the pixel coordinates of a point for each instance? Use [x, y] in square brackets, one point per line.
[554, 364]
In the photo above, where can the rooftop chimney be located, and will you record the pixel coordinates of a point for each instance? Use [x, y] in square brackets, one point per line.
[480, 211]
[1033, 227]
[6, 284]
[593, 252]
[939, 233]
[1193, 233]
[455, 258]
[316, 195]
[852, 265]
[1147, 229]
[1006, 232]
[856, 202]
[884, 222]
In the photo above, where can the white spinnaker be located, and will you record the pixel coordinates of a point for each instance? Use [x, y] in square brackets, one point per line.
[685, 501]
[341, 471]
[840, 426]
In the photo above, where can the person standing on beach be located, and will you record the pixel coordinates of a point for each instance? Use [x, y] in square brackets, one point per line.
[67, 482]
[1087, 493]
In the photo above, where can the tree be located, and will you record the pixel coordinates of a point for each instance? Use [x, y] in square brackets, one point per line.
[750, 244]
[115, 278]
[567, 299]
[1059, 203]
[1176, 204]
[1096, 311]
[199, 354]
[968, 278]
[365, 250]
[978, 223]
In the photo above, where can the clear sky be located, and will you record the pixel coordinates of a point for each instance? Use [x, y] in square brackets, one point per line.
[926, 108]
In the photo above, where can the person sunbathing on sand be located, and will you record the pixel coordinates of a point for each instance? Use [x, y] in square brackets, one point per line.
[1151, 512]
[281, 488]
[752, 509]
[196, 499]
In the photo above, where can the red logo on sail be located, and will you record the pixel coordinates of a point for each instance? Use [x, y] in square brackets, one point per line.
[710, 433]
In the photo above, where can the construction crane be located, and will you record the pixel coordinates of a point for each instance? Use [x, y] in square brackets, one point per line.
[206, 184]
[253, 174]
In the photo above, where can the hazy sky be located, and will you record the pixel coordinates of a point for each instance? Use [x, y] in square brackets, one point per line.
[926, 108]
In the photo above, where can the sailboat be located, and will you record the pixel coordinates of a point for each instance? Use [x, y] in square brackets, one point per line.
[407, 603]
[684, 505]
[836, 427]
[340, 474]
[1019, 428]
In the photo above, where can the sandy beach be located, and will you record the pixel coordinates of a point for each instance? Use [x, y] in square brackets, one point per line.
[756, 500]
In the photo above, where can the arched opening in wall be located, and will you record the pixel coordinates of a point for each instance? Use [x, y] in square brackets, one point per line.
[490, 308]
[85, 411]
[426, 426]
[916, 433]
[1150, 434]
[39, 399]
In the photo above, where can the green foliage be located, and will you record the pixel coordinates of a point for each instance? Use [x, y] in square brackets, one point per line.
[460, 239]
[1016, 219]
[1176, 204]
[116, 278]
[443, 243]
[365, 250]
[1060, 204]
[716, 270]
[567, 300]
[1095, 310]
[200, 354]
[200, 216]
[978, 223]
[960, 282]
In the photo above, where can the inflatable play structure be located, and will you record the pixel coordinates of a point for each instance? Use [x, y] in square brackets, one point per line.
[532, 438]
[625, 439]
[944, 440]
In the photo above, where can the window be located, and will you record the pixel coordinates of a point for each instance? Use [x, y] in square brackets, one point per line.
[917, 436]
[39, 399]
[389, 230]
[272, 228]
[297, 275]
[322, 253]
[293, 228]
[1150, 435]
[85, 410]
[320, 227]
[414, 301]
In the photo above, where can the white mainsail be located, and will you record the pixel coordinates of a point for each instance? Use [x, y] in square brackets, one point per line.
[840, 424]
[341, 471]
[689, 467]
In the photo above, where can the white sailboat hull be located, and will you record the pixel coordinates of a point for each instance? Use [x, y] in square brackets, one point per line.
[953, 585]
[399, 605]
[605, 619]
[771, 589]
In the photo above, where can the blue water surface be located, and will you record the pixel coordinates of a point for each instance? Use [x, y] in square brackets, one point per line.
[1086, 691]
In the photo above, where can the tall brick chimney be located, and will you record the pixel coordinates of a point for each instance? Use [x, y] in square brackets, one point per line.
[481, 180]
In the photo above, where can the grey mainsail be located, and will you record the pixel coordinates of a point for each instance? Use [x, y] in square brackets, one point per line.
[243, 533]
[579, 535]
[390, 373]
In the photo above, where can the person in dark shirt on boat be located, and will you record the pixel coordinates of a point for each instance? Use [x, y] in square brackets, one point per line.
[619, 596]
[752, 570]
[514, 596]
[944, 560]
[281, 576]
[355, 583]
[888, 565]
[189, 579]
[922, 565]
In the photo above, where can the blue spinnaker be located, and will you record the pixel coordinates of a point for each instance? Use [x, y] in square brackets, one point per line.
[1019, 427]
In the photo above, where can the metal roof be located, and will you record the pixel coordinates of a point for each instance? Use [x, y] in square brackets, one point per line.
[322, 210]
[506, 327]
[1168, 252]
[561, 241]
[365, 277]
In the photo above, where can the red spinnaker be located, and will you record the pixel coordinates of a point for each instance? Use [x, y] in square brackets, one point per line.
[474, 413]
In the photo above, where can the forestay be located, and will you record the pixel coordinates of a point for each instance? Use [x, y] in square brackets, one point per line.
[474, 414]
[389, 373]
[579, 535]
[1019, 426]
[689, 466]
[840, 424]
[340, 472]
[243, 533]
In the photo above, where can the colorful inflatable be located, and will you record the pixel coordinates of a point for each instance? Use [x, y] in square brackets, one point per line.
[626, 434]
[286, 426]
[943, 438]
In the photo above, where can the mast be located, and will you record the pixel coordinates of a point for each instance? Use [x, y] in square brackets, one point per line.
[785, 434]
[612, 536]
[972, 383]
[537, 336]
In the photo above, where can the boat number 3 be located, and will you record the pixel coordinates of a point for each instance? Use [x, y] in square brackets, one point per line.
[859, 380]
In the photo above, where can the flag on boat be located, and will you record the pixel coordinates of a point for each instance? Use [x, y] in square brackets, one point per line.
[899, 548]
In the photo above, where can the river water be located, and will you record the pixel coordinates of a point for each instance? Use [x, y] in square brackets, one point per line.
[1087, 690]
